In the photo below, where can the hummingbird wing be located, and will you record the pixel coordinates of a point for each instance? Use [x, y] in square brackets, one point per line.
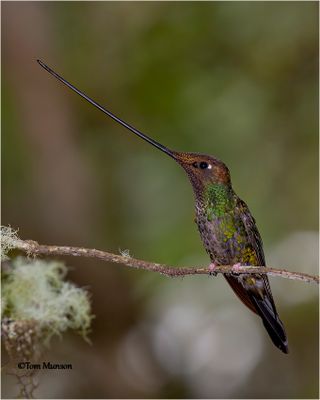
[254, 290]
[253, 239]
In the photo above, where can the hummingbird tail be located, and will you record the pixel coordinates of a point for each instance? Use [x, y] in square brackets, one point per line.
[263, 306]
[272, 323]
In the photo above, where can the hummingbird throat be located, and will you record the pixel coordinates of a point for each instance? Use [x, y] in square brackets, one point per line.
[218, 200]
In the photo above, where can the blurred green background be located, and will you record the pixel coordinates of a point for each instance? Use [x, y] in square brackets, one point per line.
[238, 80]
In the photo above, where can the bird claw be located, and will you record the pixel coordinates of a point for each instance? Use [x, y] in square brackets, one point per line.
[236, 267]
[212, 268]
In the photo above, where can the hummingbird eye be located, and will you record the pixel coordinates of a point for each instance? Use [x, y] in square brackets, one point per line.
[203, 165]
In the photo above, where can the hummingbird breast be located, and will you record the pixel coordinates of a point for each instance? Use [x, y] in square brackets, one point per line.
[226, 237]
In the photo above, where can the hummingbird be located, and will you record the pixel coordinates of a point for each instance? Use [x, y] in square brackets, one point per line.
[227, 229]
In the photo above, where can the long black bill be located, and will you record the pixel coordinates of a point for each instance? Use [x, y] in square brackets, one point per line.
[117, 119]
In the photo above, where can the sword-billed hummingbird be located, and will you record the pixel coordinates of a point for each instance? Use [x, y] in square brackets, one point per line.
[227, 228]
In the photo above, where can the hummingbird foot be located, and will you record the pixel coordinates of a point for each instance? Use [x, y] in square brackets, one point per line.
[212, 268]
[236, 267]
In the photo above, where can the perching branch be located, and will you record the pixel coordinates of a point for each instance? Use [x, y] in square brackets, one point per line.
[33, 248]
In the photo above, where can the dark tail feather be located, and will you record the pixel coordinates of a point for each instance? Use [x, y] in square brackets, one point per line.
[272, 323]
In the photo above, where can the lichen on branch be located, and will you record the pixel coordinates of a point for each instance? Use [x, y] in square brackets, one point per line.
[37, 302]
[36, 290]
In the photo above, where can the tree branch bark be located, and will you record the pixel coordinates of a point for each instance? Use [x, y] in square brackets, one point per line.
[33, 248]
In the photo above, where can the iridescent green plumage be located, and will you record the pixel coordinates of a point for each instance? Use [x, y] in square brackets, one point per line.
[227, 228]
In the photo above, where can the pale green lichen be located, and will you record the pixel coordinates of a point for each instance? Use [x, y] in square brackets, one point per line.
[35, 290]
[36, 304]
[9, 240]
[125, 253]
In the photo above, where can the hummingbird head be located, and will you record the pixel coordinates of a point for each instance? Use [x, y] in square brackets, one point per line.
[203, 170]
